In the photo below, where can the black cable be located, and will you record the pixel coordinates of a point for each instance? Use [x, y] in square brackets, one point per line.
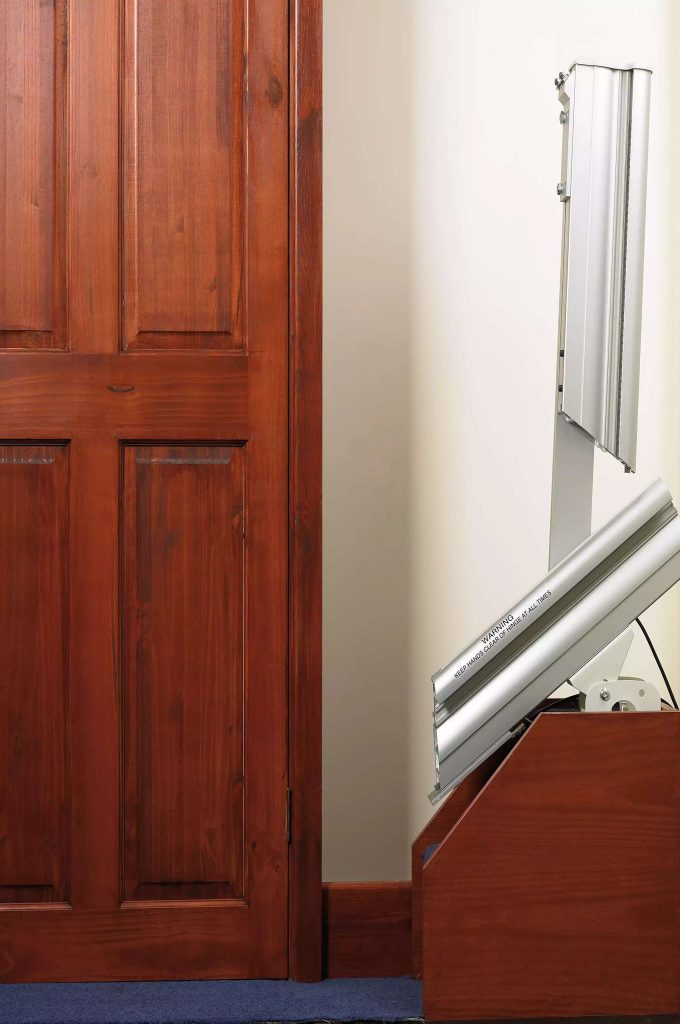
[550, 704]
[657, 659]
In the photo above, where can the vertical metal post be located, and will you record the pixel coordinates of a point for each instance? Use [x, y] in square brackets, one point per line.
[572, 489]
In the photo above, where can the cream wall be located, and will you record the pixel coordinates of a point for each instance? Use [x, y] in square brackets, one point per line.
[442, 236]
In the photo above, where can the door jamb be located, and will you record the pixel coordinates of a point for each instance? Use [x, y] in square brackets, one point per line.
[304, 624]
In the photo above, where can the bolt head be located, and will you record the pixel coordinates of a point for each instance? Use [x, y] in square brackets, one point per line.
[561, 188]
[563, 117]
[604, 694]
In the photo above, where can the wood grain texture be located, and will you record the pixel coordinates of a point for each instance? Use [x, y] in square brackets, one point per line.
[129, 944]
[366, 929]
[437, 828]
[183, 541]
[559, 885]
[305, 487]
[94, 181]
[94, 682]
[99, 399]
[183, 173]
[34, 483]
[181, 396]
[33, 68]
[655, 1018]
[266, 708]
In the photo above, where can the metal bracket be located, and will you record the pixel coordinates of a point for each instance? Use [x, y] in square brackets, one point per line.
[627, 693]
[603, 688]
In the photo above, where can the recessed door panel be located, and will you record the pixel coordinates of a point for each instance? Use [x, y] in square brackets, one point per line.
[33, 67]
[183, 173]
[33, 672]
[183, 585]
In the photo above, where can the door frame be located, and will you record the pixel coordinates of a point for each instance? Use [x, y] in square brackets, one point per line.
[305, 423]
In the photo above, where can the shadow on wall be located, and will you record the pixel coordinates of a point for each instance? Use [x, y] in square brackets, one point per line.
[367, 273]
[422, 249]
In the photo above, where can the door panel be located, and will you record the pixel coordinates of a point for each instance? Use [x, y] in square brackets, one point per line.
[183, 173]
[33, 677]
[183, 544]
[32, 222]
[144, 491]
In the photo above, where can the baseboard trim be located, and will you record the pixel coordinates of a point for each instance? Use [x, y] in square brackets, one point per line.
[366, 929]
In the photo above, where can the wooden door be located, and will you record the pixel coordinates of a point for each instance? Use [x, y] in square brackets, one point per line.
[143, 488]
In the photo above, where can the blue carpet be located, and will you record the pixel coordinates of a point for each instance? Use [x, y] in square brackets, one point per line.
[211, 1002]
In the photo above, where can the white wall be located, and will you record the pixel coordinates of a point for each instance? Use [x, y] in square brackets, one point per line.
[367, 435]
[442, 237]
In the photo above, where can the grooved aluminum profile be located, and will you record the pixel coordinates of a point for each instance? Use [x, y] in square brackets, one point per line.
[603, 188]
[590, 597]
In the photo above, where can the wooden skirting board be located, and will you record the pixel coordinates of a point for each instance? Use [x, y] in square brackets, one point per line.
[366, 929]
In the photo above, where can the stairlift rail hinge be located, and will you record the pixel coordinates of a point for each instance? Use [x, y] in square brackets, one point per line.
[601, 686]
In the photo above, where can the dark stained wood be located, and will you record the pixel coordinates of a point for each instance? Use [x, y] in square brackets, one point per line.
[183, 172]
[95, 708]
[654, 1018]
[94, 180]
[192, 396]
[367, 929]
[177, 623]
[267, 491]
[556, 893]
[33, 68]
[305, 489]
[128, 944]
[437, 828]
[33, 676]
[183, 541]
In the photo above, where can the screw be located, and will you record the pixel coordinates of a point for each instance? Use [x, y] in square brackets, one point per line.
[561, 188]
[560, 79]
[563, 117]
[604, 694]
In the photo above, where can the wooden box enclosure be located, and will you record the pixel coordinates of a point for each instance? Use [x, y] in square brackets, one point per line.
[554, 890]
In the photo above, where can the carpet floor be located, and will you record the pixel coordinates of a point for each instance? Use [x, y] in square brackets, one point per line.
[212, 1002]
